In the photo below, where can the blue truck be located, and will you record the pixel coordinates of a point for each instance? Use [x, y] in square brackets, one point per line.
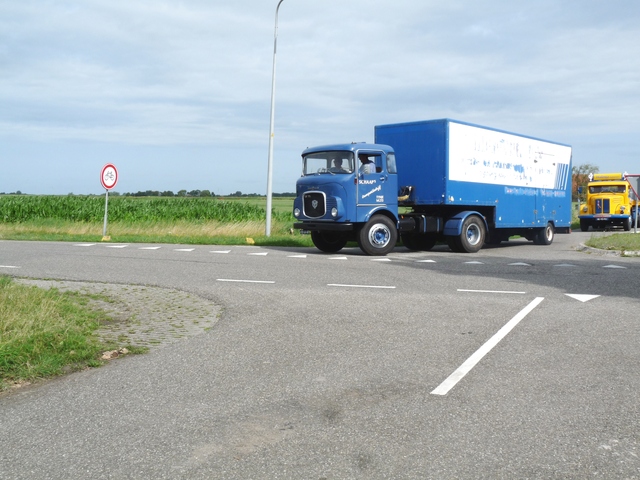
[434, 181]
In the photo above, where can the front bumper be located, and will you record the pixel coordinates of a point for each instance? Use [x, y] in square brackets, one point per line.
[325, 227]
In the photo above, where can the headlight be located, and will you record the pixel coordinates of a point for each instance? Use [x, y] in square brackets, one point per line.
[584, 209]
[334, 212]
[296, 212]
[622, 209]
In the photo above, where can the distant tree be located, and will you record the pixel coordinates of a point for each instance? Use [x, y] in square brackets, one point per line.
[194, 193]
[205, 193]
[580, 177]
[182, 193]
[168, 193]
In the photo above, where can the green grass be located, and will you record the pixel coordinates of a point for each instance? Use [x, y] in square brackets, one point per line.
[44, 333]
[208, 221]
[616, 241]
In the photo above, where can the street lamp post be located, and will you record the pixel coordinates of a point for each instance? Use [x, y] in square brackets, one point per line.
[271, 126]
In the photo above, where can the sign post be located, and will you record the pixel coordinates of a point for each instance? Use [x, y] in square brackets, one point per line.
[108, 179]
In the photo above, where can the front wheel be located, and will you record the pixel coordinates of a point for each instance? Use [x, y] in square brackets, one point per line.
[628, 224]
[329, 242]
[584, 225]
[378, 236]
[472, 237]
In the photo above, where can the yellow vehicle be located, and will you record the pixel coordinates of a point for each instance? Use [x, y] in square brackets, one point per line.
[610, 202]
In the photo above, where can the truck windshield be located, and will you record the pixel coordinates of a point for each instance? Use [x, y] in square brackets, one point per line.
[607, 189]
[330, 163]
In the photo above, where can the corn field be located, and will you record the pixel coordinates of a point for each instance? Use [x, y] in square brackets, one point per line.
[23, 208]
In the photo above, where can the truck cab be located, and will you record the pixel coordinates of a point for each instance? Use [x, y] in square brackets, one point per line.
[348, 192]
[609, 203]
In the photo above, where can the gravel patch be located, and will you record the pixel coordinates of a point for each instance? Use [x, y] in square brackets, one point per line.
[142, 316]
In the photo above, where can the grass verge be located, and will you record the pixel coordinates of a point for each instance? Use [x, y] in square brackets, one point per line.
[618, 241]
[203, 232]
[44, 333]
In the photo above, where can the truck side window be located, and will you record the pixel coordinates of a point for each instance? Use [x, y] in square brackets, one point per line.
[391, 163]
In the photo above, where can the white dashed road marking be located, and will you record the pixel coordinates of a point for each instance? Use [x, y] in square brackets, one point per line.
[490, 291]
[243, 281]
[358, 286]
[8, 266]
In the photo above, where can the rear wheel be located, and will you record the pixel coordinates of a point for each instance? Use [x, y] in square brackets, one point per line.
[378, 236]
[545, 235]
[416, 241]
[329, 242]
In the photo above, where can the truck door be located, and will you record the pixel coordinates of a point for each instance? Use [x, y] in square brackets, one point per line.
[377, 184]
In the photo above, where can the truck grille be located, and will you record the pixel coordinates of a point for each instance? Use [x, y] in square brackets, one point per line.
[314, 204]
[602, 206]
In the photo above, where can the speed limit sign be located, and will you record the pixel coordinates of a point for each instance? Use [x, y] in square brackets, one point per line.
[109, 176]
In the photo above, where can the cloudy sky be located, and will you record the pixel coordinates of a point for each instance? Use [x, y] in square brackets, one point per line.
[177, 93]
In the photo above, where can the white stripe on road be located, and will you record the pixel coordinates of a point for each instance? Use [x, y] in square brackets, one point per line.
[8, 266]
[473, 360]
[358, 286]
[149, 248]
[490, 291]
[243, 281]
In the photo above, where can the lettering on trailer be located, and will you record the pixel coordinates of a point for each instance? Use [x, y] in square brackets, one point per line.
[497, 158]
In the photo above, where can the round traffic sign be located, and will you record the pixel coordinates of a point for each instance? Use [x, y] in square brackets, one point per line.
[109, 176]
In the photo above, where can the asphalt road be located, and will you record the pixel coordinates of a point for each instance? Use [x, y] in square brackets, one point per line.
[520, 361]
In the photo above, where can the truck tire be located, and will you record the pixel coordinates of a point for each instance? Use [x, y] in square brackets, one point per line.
[378, 236]
[584, 226]
[472, 236]
[416, 241]
[545, 235]
[627, 224]
[329, 242]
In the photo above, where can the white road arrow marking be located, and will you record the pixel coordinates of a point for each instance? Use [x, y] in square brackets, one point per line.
[183, 249]
[614, 266]
[520, 264]
[260, 254]
[582, 298]
[337, 258]
[425, 261]
[149, 248]
[220, 251]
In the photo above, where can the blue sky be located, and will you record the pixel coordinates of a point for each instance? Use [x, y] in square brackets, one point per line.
[177, 94]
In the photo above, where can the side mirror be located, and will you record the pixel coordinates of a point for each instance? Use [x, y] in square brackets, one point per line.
[580, 190]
